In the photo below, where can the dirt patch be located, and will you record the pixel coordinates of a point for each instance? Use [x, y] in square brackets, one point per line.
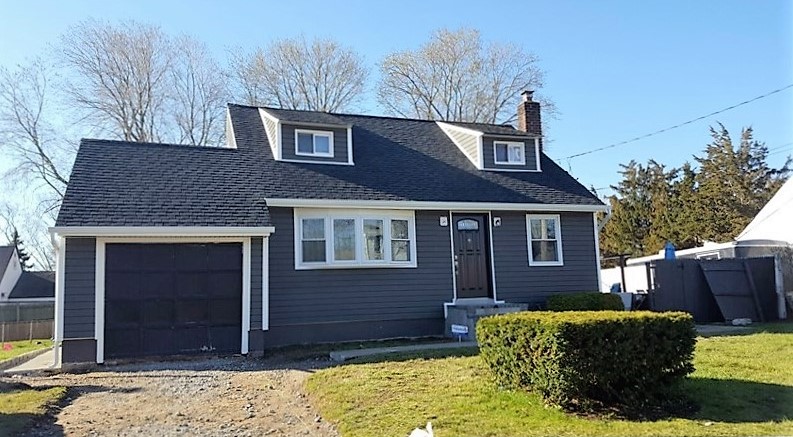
[211, 397]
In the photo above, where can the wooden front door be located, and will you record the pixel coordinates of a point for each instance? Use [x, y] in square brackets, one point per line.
[471, 255]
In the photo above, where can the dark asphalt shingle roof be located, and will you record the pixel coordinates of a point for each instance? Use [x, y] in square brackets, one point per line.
[116, 183]
[5, 256]
[290, 115]
[402, 159]
[34, 285]
[126, 184]
[495, 129]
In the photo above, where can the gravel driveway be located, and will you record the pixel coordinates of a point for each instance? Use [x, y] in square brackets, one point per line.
[208, 397]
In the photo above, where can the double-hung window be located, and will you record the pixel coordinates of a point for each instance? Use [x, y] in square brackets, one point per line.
[354, 239]
[545, 239]
[510, 153]
[314, 143]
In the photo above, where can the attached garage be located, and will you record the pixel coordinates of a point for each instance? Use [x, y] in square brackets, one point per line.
[174, 298]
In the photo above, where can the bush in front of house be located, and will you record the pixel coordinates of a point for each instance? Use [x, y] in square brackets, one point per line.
[591, 360]
[584, 302]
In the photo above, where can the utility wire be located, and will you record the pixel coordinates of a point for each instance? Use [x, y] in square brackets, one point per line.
[641, 137]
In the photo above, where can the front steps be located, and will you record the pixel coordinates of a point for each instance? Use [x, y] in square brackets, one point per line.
[468, 312]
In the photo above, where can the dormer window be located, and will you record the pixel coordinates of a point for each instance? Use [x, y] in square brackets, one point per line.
[511, 153]
[313, 143]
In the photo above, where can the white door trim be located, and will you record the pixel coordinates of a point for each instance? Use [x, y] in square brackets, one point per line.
[489, 224]
[99, 284]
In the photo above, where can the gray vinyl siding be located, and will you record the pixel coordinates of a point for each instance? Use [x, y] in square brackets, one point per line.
[339, 143]
[518, 282]
[256, 283]
[350, 295]
[466, 142]
[79, 288]
[490, 157]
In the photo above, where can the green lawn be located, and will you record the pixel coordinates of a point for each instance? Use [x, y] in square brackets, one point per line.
[22, 347]
[20, 407]
[743, 383]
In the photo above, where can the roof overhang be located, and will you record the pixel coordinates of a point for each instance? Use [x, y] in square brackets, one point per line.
[410, 204]
[161, 231]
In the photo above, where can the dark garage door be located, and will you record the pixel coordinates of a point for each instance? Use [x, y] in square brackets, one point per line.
[165, 299]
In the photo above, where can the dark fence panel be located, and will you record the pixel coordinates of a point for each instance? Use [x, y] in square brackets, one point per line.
[680, 285]
[26, 311]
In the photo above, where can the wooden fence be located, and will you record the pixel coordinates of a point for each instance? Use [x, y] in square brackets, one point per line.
[13, 331]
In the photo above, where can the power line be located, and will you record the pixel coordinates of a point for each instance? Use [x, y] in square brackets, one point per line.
[641, 137]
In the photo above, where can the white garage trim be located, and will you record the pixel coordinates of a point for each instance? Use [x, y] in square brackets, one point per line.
[160, 231]
[246, 294]
[265, 283]
[99, 285]
[60, 277]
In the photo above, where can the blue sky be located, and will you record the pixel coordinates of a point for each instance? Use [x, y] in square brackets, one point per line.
[616, 69]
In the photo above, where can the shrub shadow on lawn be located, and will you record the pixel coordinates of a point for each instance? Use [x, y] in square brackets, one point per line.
[740, 401]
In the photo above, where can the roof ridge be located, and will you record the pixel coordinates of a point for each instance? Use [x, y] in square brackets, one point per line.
[150, 144]
[389, 117]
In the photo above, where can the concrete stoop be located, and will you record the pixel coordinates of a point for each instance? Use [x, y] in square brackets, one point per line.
[468, 313]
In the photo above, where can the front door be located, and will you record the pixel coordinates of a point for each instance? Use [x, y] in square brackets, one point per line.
[471, 255]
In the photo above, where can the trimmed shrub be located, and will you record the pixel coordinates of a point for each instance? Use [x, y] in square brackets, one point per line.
[585, 302]
[589, 360]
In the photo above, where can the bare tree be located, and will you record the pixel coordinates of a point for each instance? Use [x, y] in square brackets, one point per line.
[120, 75]
[140, 84]
[39, 153]
[319, 75]
[199, 93]
[457, 77]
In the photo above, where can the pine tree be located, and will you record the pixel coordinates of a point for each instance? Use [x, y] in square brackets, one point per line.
[631, 207]
[733, 184]
[687, 223]
[22, 254]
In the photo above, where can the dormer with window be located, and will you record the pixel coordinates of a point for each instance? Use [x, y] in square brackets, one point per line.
[494, 147]
[317, 139]
[502, 147]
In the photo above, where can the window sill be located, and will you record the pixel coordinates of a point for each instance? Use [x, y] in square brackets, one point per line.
[315, 155]
[546, 264]
[355, 266]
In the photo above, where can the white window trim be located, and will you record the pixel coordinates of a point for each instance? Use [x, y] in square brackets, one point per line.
[510, 144]
[313, 133]
[558, 219]
[358, 215]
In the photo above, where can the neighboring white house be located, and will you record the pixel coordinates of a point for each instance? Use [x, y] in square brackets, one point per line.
[17, 285]
[775, 220]
[771, 229]
[10, 271]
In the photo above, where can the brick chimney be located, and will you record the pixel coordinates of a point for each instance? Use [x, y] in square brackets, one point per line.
[529, 114]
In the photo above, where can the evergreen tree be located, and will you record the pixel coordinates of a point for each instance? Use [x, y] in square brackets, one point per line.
[631, 207]
[653, 205]
[733, 184]
[22, 254]
[687, 223]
